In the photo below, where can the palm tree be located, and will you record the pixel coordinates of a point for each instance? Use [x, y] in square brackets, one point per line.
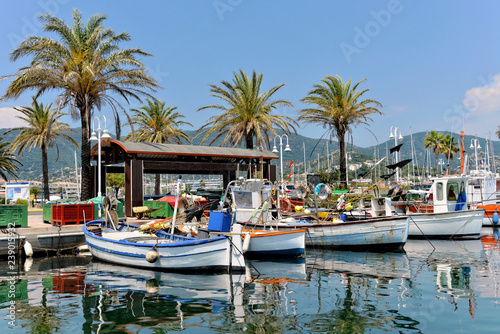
[246, 113]
[339, 108]
[85, 67]
[42, 131]
[498, 132]
[449, 149]
[157, 124]
[8, 163]
[434, 140]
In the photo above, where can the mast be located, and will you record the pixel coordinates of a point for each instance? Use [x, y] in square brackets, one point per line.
[462, 140]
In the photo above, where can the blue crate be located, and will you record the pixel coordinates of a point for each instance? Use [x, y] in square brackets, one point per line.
[219, 221]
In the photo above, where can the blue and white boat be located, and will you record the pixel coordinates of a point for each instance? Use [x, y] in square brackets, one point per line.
[129, 245]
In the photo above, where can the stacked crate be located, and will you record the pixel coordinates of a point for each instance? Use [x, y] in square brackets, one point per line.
[72, 214]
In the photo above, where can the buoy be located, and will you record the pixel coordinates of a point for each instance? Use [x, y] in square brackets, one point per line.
[246, 243]
[348, 207]
[495, 217]
[307, 211]
[28, 250]
[298, 208]
[152, 256]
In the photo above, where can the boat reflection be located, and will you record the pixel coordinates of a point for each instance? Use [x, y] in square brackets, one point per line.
[366, 264]
[119, 295]
[458, 265]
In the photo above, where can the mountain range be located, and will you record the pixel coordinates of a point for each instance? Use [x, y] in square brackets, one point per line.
[62, 164]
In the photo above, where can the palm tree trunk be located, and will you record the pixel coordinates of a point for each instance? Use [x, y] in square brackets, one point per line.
[343, 169]
[45, 173]
[157, 184]
[249, 142]
[85, 154]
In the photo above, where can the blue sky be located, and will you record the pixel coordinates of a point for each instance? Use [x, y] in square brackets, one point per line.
[433, 65]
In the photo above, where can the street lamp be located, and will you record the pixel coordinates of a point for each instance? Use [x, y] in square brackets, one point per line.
[275, 150]
[394, 135]
[474, 144]
[441, 166]
[93, 137]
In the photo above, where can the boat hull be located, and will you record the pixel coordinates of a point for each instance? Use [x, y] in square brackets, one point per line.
[276, 243]
[376, 234]
[456, 224]
[184, 254]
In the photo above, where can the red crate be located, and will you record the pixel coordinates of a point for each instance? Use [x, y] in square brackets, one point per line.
[68, 214]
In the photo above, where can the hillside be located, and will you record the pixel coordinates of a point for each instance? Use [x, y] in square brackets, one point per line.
[61, 167]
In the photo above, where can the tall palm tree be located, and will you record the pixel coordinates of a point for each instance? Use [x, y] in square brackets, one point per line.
[43, 128]
[434, 140]
[8, 163]
[247, 114]
[449, 149]
[157, 124]
[85, 66]
[339, 107]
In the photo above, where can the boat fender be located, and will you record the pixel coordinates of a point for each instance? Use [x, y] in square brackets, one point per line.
[152, 256]
[246, 242]
[28, 250]
[495, 218]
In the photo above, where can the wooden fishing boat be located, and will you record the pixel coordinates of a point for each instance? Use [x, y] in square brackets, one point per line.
[127, 244]
[265, 243]
[376, 234]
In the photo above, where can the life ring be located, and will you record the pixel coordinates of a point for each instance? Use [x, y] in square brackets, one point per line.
[322, 191]
[286, 205]
[302, 190]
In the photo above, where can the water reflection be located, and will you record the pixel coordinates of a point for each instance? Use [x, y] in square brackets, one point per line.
[443, 284]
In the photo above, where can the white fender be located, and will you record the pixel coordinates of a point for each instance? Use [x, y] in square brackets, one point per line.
[28, 250]
[246, 242]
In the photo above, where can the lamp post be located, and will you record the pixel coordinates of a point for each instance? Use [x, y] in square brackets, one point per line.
[275, 150]
[474, 144]
[394, 135]
[105, 135]
[441, 165]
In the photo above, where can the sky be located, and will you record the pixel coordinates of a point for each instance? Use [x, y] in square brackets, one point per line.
[433, 65]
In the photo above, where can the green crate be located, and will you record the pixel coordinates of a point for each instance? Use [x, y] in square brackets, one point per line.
[165, 211]
[17, 214]
[97, 202]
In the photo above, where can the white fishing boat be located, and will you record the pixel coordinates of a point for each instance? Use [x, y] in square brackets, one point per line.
[376, 234]
[442, 214]
[128, 245]
[252, 210]
[250, 202]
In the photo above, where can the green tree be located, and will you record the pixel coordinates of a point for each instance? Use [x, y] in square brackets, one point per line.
[35, 191]
[339, 107]
[434, 141]
[449, 149]
[8, 163]
[86, 66]
[43, 128]
[115, 181]
[157, 124]
[246, 113]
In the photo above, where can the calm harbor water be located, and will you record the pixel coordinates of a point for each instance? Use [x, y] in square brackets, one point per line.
[443, 287]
